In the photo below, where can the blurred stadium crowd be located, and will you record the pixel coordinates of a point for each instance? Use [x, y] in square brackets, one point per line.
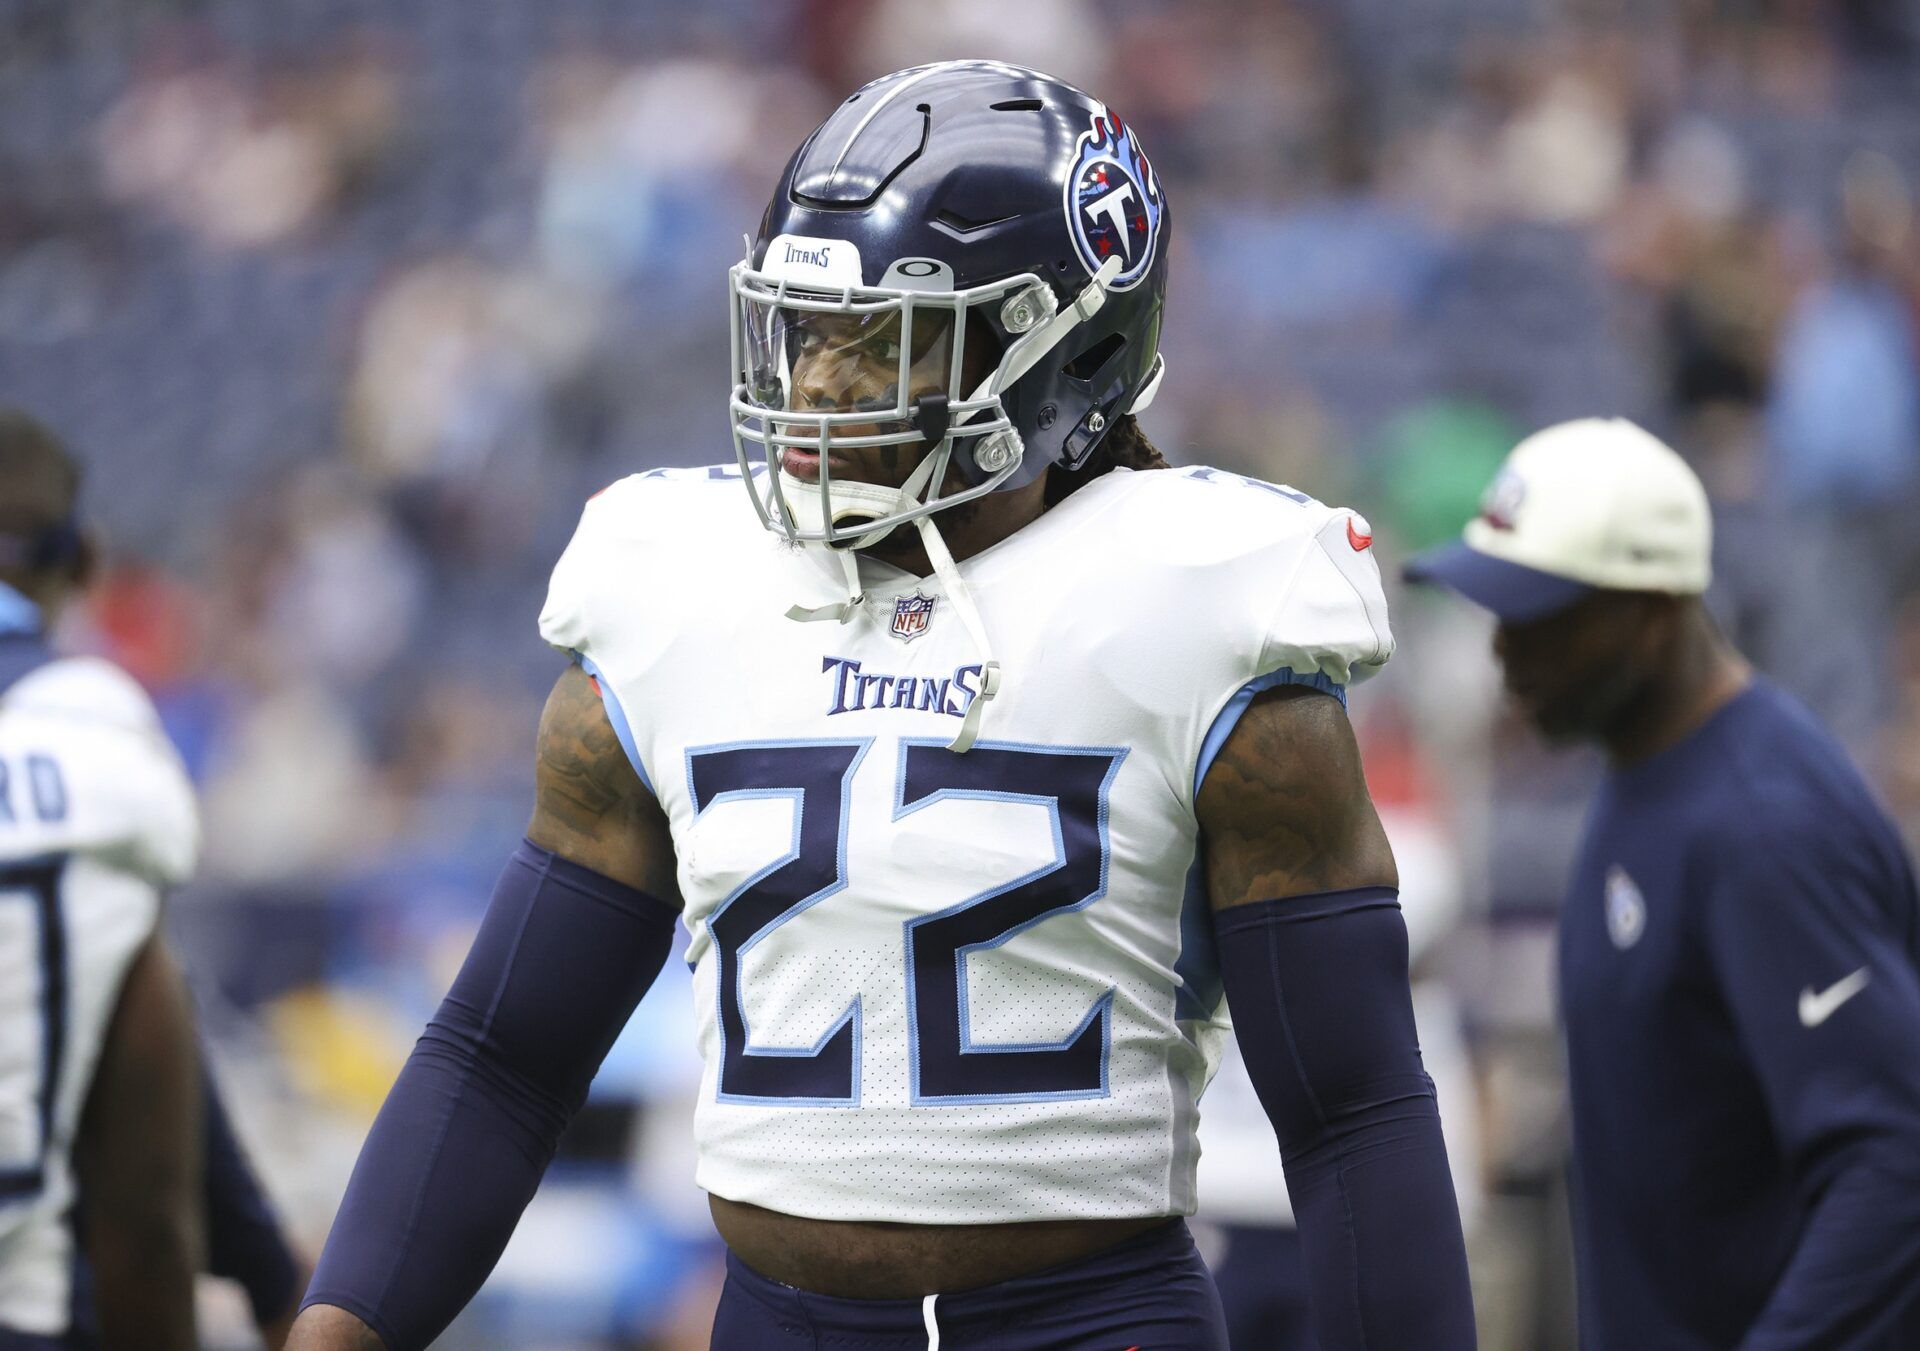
[348, 306]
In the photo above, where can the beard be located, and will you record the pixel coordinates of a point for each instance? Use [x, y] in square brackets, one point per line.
[1592, 711]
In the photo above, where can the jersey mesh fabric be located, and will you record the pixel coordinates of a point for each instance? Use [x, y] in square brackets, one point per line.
[917, 954]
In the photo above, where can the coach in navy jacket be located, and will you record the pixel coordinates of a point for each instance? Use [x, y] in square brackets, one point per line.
[1739, 944]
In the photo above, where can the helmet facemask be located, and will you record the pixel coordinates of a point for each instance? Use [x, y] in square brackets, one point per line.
[887, 362]
[852, 330]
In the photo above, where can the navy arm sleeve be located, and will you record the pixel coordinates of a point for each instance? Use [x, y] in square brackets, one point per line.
[244, 1241]
[1826, 1003]
[1324, 1017]
[562, 957]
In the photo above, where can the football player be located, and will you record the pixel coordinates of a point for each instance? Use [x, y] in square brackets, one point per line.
[116, 1158]
[979, 752]
[99, 1080]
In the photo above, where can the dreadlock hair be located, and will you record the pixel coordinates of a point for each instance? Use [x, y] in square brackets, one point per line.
[1124, 446]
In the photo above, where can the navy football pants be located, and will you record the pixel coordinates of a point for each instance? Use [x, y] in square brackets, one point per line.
[1262, 1275]
[1152, 1293]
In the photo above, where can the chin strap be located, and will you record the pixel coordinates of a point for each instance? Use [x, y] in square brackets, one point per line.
[943, 567]
[957, 591]
[861, 499]
[909, 495]
[1026, 353]
[840, 611]
[1021, 359]
[851, 499]
[858, 499]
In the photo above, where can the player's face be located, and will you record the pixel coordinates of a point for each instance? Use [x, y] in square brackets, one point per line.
[849, 363]
[1575, 674]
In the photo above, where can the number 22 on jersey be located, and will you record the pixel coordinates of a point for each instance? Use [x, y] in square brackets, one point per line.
[1070, 784]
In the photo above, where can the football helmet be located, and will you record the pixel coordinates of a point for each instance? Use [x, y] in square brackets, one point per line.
[941, 210]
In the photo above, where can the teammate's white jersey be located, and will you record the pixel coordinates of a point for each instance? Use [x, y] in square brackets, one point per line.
[96, 820]
[954, 988]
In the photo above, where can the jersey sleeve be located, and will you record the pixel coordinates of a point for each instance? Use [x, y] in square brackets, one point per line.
[1292, 593]
[122, 791]
[574, 588]
[1822, 994]
[142, 795]
[591, 598]
[1331, 621]
[609, 574]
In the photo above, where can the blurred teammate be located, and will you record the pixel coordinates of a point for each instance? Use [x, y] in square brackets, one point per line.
[947, 769]
[245, 1243]
[99, 1080]
[1738, 946]
[116, 1159]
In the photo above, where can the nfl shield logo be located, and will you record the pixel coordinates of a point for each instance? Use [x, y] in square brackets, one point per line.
[911, 615]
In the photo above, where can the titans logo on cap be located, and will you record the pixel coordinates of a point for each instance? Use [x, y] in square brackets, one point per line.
[1113, 201]
[1500, 504]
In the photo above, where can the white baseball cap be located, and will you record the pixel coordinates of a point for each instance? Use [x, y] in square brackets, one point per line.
[1595, 504]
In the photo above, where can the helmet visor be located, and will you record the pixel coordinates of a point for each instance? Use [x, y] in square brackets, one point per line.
[822, 378]
[877, 362]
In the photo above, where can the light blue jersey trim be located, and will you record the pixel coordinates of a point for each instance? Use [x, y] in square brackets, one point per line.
[17, 613]
[1198, 965]
[1229, 717]
[617, 716]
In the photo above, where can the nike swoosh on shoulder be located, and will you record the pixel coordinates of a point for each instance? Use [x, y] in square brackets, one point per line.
[1818, 1006]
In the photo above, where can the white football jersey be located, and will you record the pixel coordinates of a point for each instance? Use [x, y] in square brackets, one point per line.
[951, 988]
[96, 819]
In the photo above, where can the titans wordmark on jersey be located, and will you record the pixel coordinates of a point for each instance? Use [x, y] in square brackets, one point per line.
[938, 987]
[96, 820]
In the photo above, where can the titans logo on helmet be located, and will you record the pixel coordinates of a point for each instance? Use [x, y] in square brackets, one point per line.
[1113, 200]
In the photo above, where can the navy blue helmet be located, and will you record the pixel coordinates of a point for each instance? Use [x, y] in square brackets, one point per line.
[963, 219]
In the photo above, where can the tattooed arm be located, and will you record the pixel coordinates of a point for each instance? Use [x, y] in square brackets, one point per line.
[589, 805]
[1285, 808]
[575, 934]
[1313, 955]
